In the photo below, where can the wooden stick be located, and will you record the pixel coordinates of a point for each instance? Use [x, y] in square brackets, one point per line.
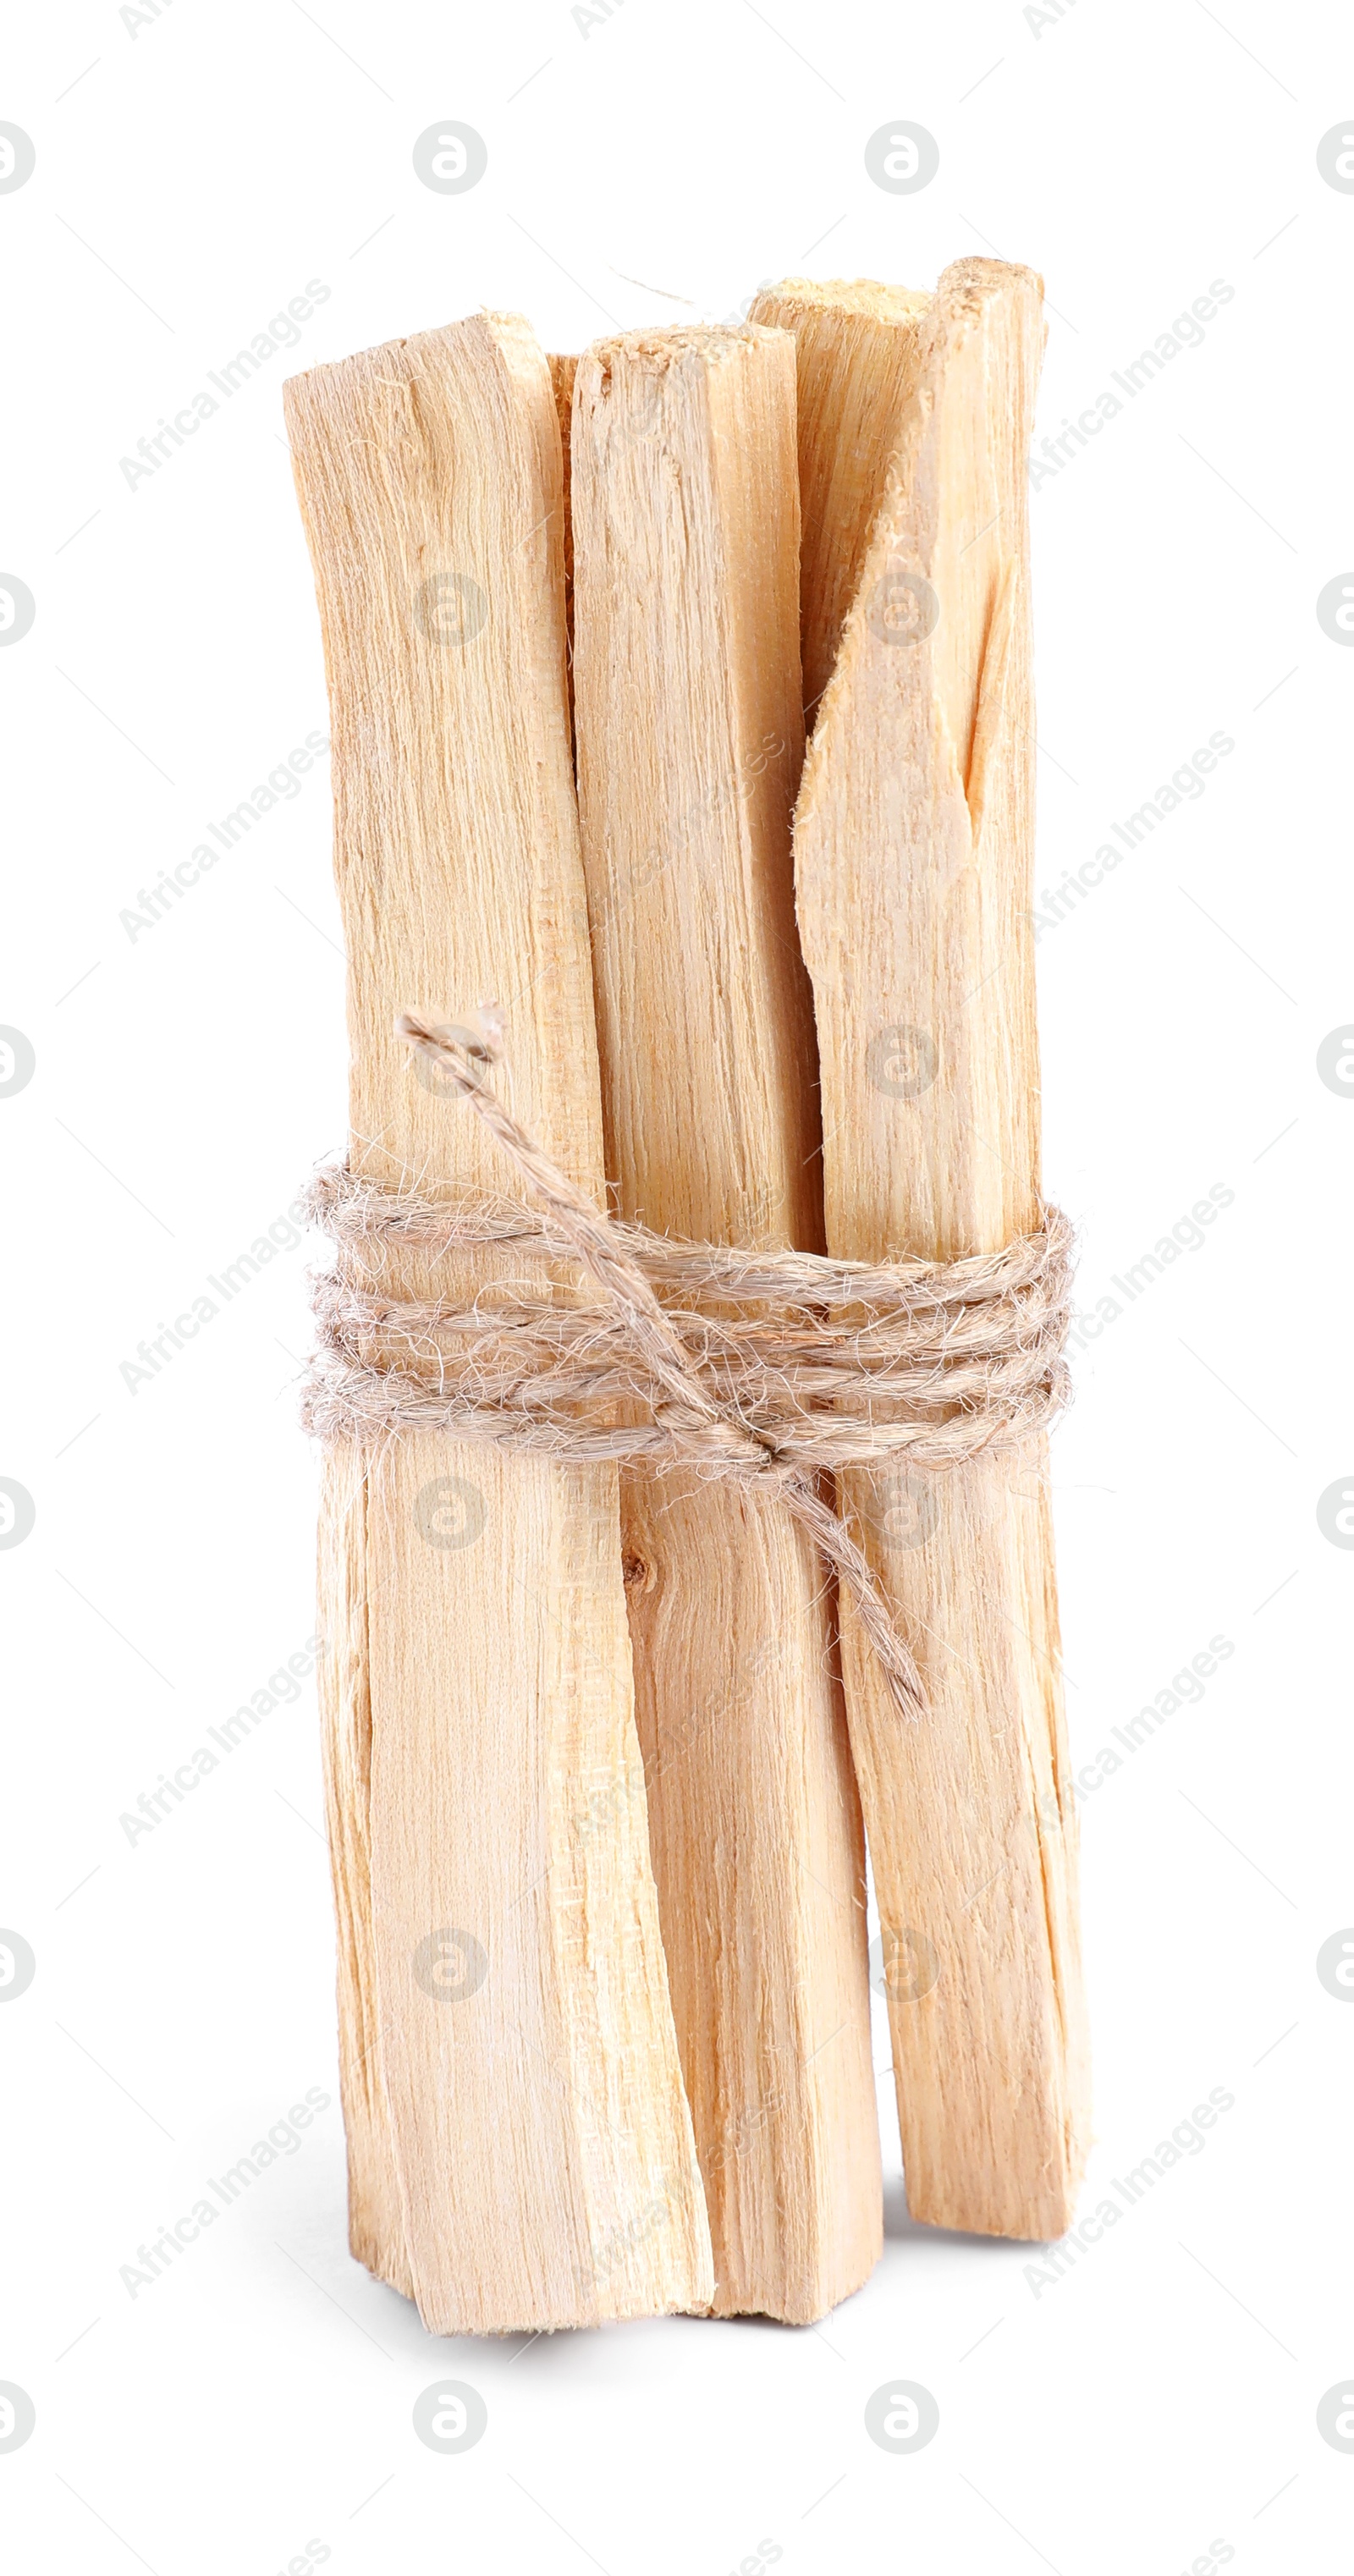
[913, 849]
[857, 361]
[521, 2149]
[690, 739]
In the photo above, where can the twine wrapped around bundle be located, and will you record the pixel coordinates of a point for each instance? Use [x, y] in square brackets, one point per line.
[848, 1363]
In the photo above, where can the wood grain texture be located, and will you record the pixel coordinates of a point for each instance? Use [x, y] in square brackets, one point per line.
[521, 2151]
[690, 741]
[856, 348]
[563, 369]
[375, 2214]
[913, 848]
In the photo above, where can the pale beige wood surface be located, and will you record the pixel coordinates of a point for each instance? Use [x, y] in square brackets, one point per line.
[913, 847]
[856, 346]
[563, 369]
[376, 2230]
[520, 2144]
[690, 740]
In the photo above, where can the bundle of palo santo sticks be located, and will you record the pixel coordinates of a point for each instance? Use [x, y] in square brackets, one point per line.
[603, 1746]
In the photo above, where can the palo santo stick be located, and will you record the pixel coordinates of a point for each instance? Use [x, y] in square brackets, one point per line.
[913, 849]
[690, 739]
[856, 350]
[522, 2149]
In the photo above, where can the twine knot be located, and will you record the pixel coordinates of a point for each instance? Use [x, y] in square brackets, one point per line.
[766, 1369]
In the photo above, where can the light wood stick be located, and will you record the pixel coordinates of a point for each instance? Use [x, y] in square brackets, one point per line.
[856, 347]
[913, 848]
[521, 2148]
[690, 739]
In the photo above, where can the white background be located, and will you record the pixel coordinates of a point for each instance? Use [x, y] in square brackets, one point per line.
[191, 177]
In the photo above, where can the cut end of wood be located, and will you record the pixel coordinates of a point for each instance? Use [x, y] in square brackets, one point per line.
[862, 296]
[657, 349]
[363, 361]
[973, 279]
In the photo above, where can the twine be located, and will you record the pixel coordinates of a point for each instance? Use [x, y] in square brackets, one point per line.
[855, 1363]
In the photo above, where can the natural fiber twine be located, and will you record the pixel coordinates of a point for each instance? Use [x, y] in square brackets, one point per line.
[761, 1369]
